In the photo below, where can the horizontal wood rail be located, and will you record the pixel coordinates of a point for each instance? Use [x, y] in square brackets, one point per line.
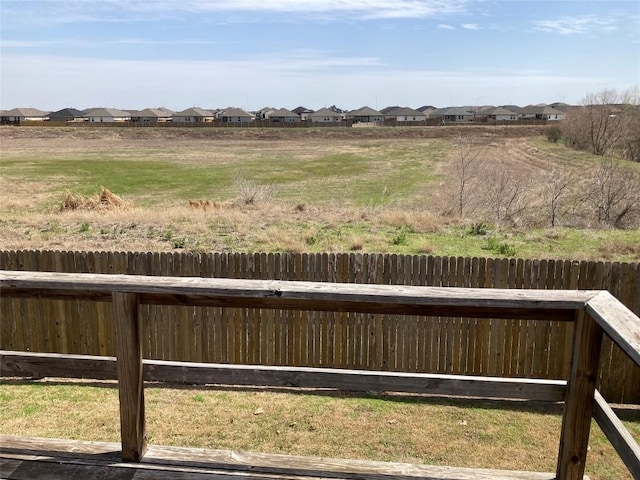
[594, 313]
[27, 364]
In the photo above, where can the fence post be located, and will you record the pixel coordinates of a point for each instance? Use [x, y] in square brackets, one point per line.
[130, 380]
[578, 406]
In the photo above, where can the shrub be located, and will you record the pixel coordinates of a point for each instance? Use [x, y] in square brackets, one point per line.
[501, 248]
[554, 134]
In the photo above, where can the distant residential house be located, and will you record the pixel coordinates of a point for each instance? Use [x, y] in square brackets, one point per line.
[263, 112]
[324, 115]
[497, 113]
[106, 115]
[366, 115]
[67, 115]
[193, 115]
[282, 115]
[336, 109]
[386, 110]
[151, 115]
[563, 107]
[233, 115]
[17, 115]
[404, 114]
[454, 114]
[541, 112]
[427, 110]
[303, 112]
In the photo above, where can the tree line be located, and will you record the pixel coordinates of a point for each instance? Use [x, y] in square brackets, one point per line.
[600, 194]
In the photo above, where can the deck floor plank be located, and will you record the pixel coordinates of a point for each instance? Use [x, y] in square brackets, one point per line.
[52, 459]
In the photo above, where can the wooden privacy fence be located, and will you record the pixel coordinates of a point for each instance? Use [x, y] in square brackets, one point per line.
[593, 313]
[373, 341]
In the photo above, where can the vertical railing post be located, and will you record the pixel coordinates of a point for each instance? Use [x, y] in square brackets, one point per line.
[130, 380]
[578, 407]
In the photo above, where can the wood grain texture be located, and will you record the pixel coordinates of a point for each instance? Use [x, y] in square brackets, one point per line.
[578, 407]
[164, 463]
[618, 322]
[393, 344]
[76, 366]
[276, 292]
[130, 376]
[624, 443]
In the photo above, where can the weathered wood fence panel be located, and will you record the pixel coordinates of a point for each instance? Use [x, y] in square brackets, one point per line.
[510, 348]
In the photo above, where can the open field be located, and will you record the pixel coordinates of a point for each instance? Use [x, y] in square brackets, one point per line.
[405, 428]
[369, 190]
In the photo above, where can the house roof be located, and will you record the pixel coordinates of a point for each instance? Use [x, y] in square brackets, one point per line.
[233, 112]
[403, 111]
[265, 109]
[105, 112]
[563, 107]
[282, 112]
[365, 112]
[151, 112]
[325, 112]
[194, 112]
[68, 113]
[24, 112]
[450, 111]
[541, 110]
[388, 109]
[497, 111]
[427, 108]
[513, 108]
[335, 109]
[301, 109]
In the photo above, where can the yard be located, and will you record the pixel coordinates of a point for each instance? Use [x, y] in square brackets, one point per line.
[334, 190]
[363, 190]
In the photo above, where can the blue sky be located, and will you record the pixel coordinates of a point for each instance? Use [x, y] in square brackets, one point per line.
[286, 53]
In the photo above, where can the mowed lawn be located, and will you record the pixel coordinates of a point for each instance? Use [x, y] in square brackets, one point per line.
[376, 426]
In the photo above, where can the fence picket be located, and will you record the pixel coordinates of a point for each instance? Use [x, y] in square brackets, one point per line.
[331, 339]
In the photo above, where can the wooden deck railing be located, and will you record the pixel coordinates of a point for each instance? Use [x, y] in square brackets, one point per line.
[593, 313]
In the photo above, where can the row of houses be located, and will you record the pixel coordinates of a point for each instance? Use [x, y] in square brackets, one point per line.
[330, 115]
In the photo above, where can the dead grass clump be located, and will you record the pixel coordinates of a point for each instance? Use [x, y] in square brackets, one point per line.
[612, 248]
[208, 205]
[104, 201]
[420, 222]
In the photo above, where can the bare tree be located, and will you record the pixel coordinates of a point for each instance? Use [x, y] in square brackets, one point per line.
[467, 166]
[505, 194]
[614, 193]
[606, 123]
[556, 187]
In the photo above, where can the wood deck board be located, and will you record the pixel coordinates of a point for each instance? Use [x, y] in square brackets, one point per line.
[22, 458]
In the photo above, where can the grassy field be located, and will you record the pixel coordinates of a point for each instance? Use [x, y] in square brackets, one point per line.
[389, 190]
[336, 190]
[414, 429]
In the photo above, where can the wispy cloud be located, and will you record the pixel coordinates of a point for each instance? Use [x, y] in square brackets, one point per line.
[80, 44]
[444, 26]
[83, 11]
[578, 25]
[75, 81]
[470, 26]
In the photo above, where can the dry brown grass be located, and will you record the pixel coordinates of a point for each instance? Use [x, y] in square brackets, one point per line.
[405, 428]
[103, 201]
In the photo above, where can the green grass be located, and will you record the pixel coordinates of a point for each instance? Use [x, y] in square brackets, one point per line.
[345, 186]
[366, 176]
[456, 432]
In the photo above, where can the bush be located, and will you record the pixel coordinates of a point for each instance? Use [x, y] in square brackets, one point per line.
[501, 248]
[554, 134]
